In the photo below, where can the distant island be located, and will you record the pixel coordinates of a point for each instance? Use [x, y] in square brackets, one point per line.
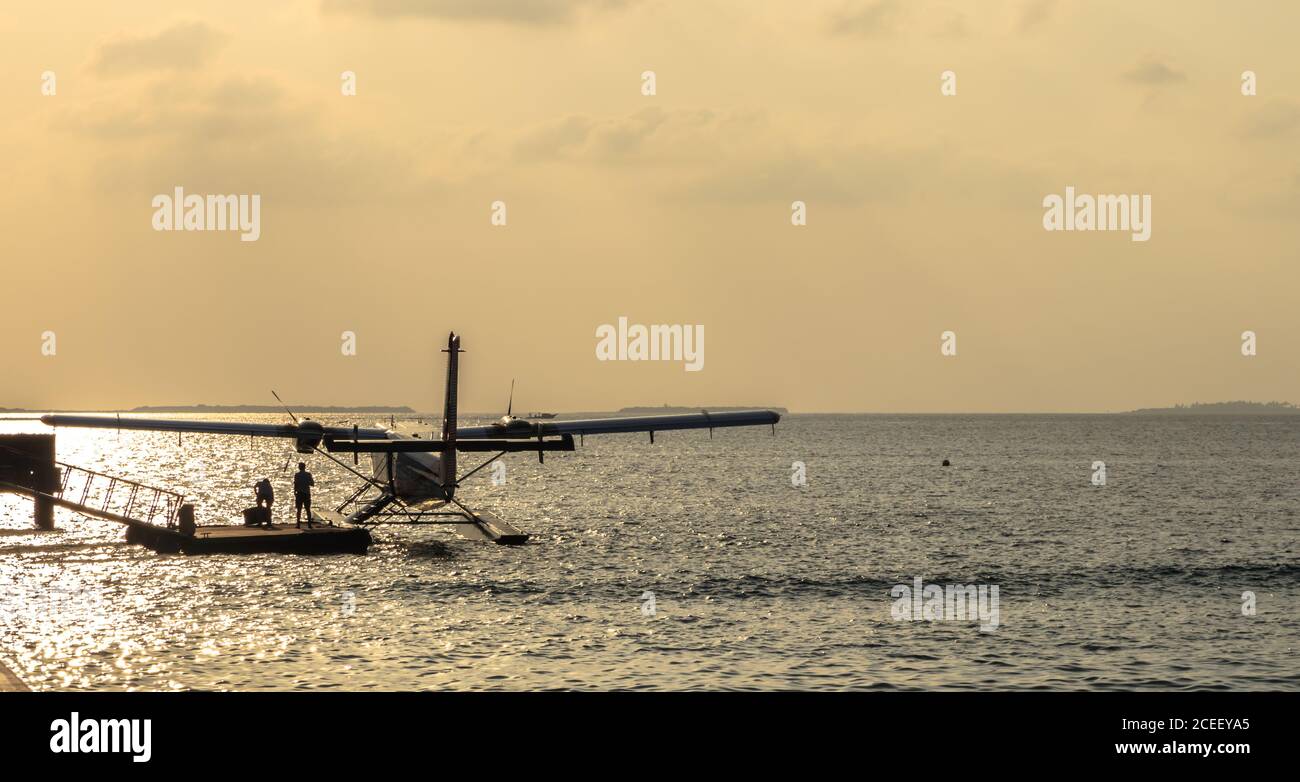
[403, 409]
[719, 409]
[1223, 408]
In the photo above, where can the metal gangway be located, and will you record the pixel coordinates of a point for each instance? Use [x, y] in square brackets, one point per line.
[103, 496]
[116, 499]
[28, 467]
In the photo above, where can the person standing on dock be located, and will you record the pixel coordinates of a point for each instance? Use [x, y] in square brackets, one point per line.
[302, 483]
[265, 493]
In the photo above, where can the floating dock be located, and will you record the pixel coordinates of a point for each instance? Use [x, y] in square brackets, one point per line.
[156, 518]
[240, 539]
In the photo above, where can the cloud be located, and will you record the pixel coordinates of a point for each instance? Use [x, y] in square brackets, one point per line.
[955, 27]
[555, 140]
[739, 157]
[1276, 119]
[1035, 13]
[1274, 195]
[522, 12]
[865, 19]
[649, 135]
[188, 108]
[185, 46]
[242, 135]
[800, 175]
[1154, 73]
[844, 173]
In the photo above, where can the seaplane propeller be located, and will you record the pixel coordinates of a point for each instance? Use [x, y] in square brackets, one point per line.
[309, 441]
[511, 426]
[308, 433]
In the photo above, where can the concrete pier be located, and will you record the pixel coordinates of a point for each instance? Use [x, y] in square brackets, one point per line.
[27, 461]
[44, 516]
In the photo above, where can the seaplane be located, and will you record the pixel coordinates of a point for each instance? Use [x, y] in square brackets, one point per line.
[413, 480]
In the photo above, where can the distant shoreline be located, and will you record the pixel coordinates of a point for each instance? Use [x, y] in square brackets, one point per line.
[1222, 408]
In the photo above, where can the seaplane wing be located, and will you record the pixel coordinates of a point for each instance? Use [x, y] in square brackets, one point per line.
[309, 429]
[638, 423]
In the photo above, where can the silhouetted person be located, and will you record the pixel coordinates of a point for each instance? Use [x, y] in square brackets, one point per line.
[302, 483]
[265, 493]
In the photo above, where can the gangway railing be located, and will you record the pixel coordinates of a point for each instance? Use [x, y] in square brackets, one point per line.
[96, 491]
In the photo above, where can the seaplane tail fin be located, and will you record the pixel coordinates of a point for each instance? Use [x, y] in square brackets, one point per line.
[448, 460]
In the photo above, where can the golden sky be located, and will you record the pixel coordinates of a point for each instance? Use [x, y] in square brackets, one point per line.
[924, 211]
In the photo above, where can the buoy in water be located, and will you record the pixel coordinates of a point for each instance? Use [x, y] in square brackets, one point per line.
[946, 463]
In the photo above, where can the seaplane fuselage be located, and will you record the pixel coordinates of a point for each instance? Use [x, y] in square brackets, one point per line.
[414, 477]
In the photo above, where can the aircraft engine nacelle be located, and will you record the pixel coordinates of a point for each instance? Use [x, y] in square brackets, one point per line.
[509, 426]
[309, 436]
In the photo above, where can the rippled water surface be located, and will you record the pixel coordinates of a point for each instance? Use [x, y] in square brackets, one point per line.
[756, 583]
